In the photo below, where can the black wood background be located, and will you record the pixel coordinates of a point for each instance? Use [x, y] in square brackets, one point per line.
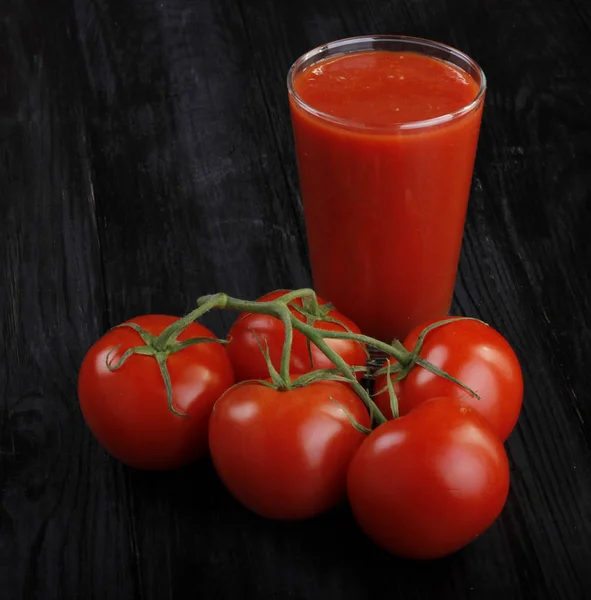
[146, 158]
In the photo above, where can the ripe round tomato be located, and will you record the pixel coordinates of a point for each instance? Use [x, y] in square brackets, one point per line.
[479, 357]
[425, 485]
[285, 454]
[127, 409]
[249, 362]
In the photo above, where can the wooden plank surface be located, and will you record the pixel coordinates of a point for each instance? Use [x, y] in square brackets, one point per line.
[146, 158]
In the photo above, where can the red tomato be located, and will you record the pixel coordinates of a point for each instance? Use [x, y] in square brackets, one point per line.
[249, 362]
[479, 357]
[425, 485]
[285, 454]
[127, 409]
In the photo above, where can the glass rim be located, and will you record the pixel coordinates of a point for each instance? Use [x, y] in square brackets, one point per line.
[409, 125]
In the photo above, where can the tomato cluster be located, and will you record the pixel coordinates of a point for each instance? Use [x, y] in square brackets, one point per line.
[280, 408]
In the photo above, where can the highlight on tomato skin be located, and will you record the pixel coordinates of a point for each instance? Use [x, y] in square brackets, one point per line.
[476, 354]
[248, 360]
[285, 454]
[127, 409]
[427, 484]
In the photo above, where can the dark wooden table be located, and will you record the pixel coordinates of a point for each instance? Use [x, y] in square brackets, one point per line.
[146, 158]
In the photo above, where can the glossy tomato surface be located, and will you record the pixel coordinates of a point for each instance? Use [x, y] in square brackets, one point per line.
[475, 354]
[285, 454]
[127, 409]
[425, 485]
[249, 362]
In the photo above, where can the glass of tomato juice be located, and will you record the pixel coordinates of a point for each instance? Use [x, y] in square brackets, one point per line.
[386, 129]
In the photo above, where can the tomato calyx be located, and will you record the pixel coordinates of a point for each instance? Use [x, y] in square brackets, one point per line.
[356, 424]
[160, 348]
[282, 380]
[279, 381]
[401, 370]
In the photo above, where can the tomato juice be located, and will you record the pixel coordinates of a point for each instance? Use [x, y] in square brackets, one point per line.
[386, 130]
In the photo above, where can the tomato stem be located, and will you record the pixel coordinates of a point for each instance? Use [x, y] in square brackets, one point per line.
[392, 394]
[301, 293]
[169, 336]
[286, 352]
[316, 335]
[278, 381]
[278, 308]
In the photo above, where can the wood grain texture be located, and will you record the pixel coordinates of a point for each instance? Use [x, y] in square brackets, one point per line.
[146, 158]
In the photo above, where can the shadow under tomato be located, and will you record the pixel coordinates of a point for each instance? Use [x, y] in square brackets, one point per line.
[210, 533]
[333, 541]
[195, 486]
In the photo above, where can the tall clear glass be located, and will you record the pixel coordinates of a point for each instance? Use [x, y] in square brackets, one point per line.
[385, 205]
